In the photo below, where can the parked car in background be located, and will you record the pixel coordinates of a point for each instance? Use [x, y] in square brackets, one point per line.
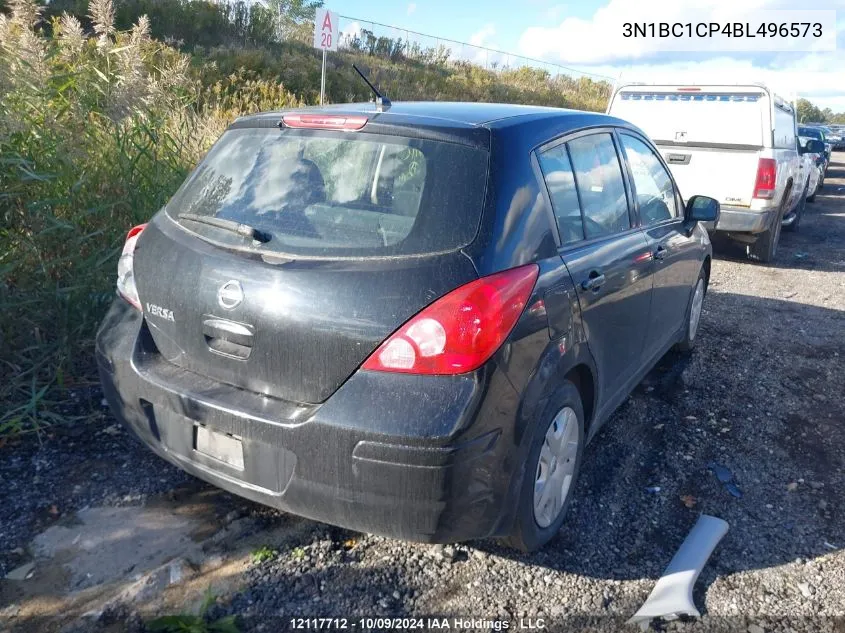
[806, 132]
[834, 137]
[408, 321]
[737, 144]
[818, 159]
[812, 161]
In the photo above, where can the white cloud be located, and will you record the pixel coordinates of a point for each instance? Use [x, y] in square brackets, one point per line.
[349, 32]
[836, 104]
[482, 49]
[482, 36]
[554, 12]
[412, 8]
[596, 45]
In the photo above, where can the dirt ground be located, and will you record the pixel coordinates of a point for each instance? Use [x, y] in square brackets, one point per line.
[762, 396]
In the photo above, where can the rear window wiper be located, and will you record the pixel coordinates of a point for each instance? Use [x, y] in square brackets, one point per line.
[230, 225]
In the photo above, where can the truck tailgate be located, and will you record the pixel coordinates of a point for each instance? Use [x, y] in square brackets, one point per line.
[726, 174]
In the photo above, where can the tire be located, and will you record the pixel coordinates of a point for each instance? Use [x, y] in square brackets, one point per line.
[766, 247]
[799, 213]
[530, 533]
[687, 343]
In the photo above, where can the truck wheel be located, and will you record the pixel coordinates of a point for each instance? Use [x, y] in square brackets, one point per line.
[696, 301]
[799, 212]
[551, 470]
[766, 246]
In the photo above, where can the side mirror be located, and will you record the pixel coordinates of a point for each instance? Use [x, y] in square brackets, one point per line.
[814, 146]
[702, 209]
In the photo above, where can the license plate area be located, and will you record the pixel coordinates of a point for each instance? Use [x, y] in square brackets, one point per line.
[220, 446]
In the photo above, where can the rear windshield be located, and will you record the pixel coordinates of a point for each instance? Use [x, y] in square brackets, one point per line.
[324, 193]
[709, 118]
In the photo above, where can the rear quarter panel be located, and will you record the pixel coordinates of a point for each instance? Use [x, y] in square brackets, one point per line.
[789, 176]
[519, 227]
[785, 152]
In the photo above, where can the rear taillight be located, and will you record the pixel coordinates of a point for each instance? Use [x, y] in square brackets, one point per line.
[125, 268]
[324, 122]
[767, 172]
[460, 331]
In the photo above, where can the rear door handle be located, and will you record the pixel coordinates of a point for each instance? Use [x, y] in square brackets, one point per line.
[594, 282]
[660, 253]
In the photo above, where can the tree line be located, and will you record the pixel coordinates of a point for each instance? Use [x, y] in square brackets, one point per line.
[808, 112]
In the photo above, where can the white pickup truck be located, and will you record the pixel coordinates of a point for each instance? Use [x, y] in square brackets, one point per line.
[737, 144]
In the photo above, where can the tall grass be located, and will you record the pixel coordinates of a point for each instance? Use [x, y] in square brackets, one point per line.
[237, 34]
[95, 133]
[297, 66]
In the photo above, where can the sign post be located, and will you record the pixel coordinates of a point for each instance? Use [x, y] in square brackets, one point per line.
[323, 79]
[326, 36]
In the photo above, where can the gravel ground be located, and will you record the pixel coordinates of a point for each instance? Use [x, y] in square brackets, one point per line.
[761, 396]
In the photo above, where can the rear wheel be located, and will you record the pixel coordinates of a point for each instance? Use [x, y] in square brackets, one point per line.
[550, 472]
[818, 186]
[799, 212]
[766, 246]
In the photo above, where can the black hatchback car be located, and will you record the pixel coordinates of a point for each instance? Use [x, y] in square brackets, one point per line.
[409, 320]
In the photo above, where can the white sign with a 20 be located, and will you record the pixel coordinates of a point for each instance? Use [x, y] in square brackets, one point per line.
[326, 31]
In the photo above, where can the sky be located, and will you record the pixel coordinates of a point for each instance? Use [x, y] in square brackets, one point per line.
[586, 35]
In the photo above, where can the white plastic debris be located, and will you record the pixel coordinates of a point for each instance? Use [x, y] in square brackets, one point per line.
[672, 595]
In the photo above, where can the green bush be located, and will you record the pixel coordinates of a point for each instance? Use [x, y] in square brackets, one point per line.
[95, 134]
[195, 23]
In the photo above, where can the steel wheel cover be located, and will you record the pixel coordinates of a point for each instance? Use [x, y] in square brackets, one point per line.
[556, 467]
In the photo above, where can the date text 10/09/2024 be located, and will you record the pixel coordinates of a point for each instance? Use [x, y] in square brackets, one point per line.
[400, 624]
[728, 29]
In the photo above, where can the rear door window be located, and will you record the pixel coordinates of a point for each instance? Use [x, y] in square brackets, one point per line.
[655, 193]
[784, 132]
[560, 181]
[326, 193]
[598, 176]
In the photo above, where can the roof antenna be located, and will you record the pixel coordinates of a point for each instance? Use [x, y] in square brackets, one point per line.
[381, 100]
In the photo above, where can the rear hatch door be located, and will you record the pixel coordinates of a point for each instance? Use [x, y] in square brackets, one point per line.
[365, 230]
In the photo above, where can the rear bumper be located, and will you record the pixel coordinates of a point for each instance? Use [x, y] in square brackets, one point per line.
[419, 458]
[737, 220]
